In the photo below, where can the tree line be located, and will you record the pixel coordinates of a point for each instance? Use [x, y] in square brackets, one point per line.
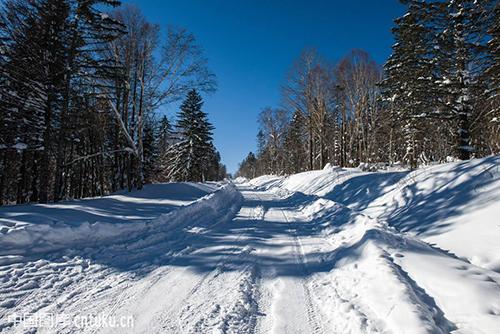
[435, 99]
[79, 95]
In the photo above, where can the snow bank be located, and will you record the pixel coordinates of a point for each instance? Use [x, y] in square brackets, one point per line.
[266, 182]
[454, 206]
[407, 284]
[419, 250]
[240, 179]
[29, 238]
[318, 182]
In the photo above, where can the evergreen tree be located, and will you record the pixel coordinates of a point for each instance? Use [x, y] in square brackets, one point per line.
[62, 70]
[248, 167]
[35, 44]
[85, 68]
[50, 52]
[463, 39]
[492, 73]
[492, 76]
[164, 142]
[441, 80]
[409, 75]
[295, 146]
[164, 134]
[192, 155]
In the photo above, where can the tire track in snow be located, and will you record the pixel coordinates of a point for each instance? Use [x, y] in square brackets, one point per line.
[300, 260]
[242, 313]
[237, 316]
[262, 298]
[206, 280]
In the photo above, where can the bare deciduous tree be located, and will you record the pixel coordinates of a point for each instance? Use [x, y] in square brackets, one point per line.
[358, 76]
[157, 74]
[273, 123]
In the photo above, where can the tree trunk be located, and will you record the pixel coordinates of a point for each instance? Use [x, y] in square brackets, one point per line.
[391, 162]
[322, 150]
[21, 185]
[140, 175]
[129, 172]
[34, 179]
[45, 161]
[64, 112]
[310, 145]
[2, 176]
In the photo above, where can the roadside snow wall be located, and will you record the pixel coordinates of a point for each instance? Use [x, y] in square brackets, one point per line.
[42, 238]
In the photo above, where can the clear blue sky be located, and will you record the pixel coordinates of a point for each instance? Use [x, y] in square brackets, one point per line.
[250, 44]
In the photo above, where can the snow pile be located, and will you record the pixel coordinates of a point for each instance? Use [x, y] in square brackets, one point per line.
[411, 252]
[25, 238]
[318, 182]
[454, 207]
[240, 179]
[266, 182]
[399, 279]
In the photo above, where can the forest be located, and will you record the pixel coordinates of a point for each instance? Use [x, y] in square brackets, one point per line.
[81, 83]
[434, 100]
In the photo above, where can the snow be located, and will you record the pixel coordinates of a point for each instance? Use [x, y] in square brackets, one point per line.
[450, 249]
[337, 250]
[129, 149]
[48, 227]
[20, 146]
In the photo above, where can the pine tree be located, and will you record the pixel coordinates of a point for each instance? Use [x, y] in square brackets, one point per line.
[463, 40]
[409, 74]
[492, 73]
[192, 154]
[35, 44]
[86, 67]
[295, 146]
[248, 167]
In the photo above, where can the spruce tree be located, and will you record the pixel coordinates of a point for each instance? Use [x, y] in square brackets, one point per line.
[191, 156]
[87, 67]
[164, 142]
[295, 146]
[462, 41]
[409, 75]
[248, 167]
[492, 73]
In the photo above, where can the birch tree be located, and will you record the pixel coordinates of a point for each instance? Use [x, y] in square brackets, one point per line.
[167, 70]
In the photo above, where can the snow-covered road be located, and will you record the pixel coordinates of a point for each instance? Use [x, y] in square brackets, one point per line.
[245, 275]
[252, 259]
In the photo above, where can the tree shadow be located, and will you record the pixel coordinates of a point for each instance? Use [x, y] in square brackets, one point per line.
[205, 244]
[121, 207]
[422, 210]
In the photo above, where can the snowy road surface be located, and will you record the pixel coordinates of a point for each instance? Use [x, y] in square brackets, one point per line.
[252, 261]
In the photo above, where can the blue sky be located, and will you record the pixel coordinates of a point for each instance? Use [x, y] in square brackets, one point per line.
[250, 44]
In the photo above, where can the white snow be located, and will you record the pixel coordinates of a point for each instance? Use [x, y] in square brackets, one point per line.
[330, 251]
[20, 146]
[48, 227]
